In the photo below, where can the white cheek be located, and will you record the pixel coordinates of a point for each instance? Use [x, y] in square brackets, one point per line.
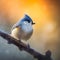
[25, 22]
[27, 27]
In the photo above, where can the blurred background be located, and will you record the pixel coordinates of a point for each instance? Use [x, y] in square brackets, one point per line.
[45, 13]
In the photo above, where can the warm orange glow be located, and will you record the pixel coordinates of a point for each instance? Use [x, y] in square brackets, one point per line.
[15, 9]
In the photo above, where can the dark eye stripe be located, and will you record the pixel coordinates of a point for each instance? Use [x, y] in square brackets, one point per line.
[28, 21]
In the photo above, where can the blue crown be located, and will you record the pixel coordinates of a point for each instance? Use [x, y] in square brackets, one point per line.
[26, 18]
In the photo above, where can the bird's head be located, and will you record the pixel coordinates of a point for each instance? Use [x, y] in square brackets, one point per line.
[27, 19]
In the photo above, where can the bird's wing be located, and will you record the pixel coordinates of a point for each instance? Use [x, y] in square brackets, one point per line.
[16, 33]
[16, 25]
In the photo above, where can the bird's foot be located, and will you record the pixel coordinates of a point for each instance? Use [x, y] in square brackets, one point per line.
[20, 47]
[28, 46]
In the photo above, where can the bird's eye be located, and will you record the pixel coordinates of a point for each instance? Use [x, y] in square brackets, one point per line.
[28, 21]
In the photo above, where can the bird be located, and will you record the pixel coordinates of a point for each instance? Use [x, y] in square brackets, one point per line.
[23, 29]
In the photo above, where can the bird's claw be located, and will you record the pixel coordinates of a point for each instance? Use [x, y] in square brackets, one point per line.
[28, 46]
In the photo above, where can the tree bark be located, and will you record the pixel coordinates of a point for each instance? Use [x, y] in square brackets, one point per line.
[22, 46]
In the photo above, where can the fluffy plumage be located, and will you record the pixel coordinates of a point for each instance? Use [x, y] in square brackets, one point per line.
[23, 28]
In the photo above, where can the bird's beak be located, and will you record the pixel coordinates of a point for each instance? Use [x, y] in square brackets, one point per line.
[33, 23]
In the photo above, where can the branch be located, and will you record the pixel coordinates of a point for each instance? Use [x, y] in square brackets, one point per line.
[22, 46]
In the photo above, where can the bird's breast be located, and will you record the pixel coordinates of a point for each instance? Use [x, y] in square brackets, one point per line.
[23, 32]
[27, 31]
[27, 28]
